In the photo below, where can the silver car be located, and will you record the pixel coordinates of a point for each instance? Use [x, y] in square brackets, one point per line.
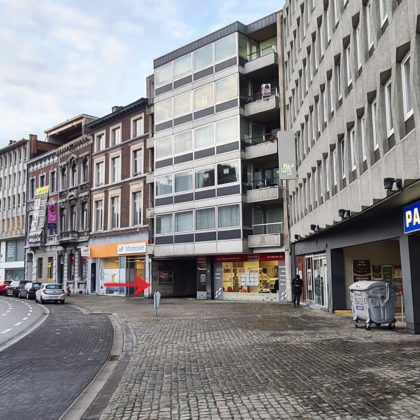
[50, 292]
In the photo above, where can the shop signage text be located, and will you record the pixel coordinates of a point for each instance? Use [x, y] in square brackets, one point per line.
[41, 190]
[134, 248]
[246, 257]
[412, 218]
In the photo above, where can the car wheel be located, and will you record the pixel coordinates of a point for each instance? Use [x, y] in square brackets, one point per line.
[41, 300]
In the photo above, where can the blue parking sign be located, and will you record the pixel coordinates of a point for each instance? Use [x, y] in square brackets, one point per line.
[411, 216]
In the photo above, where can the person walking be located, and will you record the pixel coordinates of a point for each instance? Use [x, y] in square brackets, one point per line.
[297, 285]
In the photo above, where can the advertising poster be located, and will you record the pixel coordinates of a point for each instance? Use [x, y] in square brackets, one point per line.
[111, 276]
[377, 272]
[361, 270]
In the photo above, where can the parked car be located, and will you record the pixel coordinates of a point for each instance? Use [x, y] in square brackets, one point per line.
[10, 290]
[50, 292]
[28, 292]
[3, 286]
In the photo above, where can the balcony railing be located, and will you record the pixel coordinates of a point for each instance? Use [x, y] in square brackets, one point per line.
[268, 228]
[69, 235]
[262, 53]
[262, 138]
[263, 183]
[259, 96]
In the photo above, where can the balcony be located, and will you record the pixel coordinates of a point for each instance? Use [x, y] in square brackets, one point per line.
[263, 190]
[266, 235]
[69, 236]
[260, 61]
[262, 106]
[259, 146]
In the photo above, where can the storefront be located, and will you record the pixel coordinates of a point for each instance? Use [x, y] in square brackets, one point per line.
[247, 277]
[117, 263]
[315, 279]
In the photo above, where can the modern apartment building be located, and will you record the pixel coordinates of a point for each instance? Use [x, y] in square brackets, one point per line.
[218, 209]
[57, 211]
[13, 159]
[352, 99]
[120, 184]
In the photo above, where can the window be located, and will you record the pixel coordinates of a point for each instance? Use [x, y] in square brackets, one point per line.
[164, 224]
[115, 212]
[115, 136]
[225, 47]
[321, 39]
[227, 130]
[183, 181]
[373, 113]
[85, 170]
[328, 18]
[42, 180]
[84, 221]
[50, 267]
[137, 161]
[99, 215]
[331, 94]
[363, 136]
[342, 159]
[115, 169]
[369, 25]
[353, 149]
[348, 62]
[183, 143]
[388, 109]
[74, 174]
[358, 50]
[203, 57]
[32, 188]
[383, 12]
[99, 142]
[163, 148]
[336, 11]
[324, 106]
[203, 97]
[182, 104]
[11, 249]
[53, 181]
[136, 208]
[184, 221]
[227, 172]
[163, 111]
[407, 99]
[182, 66]
[228, 216]
[63, 178]
[39, 268]
[205, 219]
[226, 88]
[204, 137]
[338, 81]
[334, 166]
[204, 178]
[163, 75]
[137, 127]
[327, 173]
[99, 173]
[73, 225]
[63, 218]
[164, 185]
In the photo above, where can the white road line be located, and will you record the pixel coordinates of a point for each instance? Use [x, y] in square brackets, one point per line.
[6, 331]
[18, 323]
[24, 319]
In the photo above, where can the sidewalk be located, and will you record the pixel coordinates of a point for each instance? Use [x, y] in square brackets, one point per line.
[246, 360]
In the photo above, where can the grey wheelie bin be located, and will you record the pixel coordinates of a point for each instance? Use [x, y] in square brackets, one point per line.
[373, 302]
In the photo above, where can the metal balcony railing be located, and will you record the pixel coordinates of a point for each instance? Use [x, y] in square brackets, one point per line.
[265, 51]
[262, 138]
[263, 183]
[275, 228]
[259, 96]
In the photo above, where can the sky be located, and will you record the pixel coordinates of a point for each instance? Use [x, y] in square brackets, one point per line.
[62, 58]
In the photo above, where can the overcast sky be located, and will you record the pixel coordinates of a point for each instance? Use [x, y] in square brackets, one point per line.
[61, 58]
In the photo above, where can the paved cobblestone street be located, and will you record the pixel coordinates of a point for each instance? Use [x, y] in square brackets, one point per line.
[221, 360]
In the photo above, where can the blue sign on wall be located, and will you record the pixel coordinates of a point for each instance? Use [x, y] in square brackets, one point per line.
[412, 217]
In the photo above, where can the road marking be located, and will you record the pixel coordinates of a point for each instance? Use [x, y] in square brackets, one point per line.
[18, 323]
[6, 331]
[24, 319]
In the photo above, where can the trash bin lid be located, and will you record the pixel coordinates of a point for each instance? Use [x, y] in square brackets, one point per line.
[366, 284]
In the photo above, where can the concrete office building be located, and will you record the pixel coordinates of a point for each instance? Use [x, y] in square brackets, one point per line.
[218, 209]
[352, 94]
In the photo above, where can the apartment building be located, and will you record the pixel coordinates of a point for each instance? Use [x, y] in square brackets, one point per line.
[120, 184]
[352, 100]
[13, 159]
[218, 208]
[57, 211]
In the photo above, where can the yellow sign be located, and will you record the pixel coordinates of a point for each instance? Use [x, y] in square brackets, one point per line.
[42, 190]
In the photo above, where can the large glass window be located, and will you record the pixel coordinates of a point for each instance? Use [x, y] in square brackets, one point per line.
[183, 142]
[99, 215]
[137, 161]
[99, 142]
[84, 224]
[227, 130]
[183, 181]
[99, 173]
[163, 75]
[182, 104]
[164, 224]
[115, 169]
[203, 57]
[115, 212]
[227, 172]
[204, 137]
[225, 47]
[228, 216]
[203, 97]
[163, 111]
[204, 178]
[73, 225]
[115, 136]
[226, 88]
[184, 221]
[205, 219]
[163, 148]
[182, 66]
[136, 208]
[164, 185]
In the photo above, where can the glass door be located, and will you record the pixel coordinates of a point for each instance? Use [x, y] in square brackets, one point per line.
[320, 280]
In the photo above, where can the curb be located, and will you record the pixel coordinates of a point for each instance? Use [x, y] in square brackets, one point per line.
[87, 397]
[23, 334]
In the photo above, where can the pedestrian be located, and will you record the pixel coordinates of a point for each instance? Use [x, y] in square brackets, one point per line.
[297, 285]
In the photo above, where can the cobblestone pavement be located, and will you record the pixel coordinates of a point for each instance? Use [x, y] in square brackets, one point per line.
[243, 360]
[42, 374]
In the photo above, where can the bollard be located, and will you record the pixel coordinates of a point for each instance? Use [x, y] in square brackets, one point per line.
[156, 301]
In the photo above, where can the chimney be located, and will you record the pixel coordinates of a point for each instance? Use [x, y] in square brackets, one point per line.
[33, 145]
[116, 108]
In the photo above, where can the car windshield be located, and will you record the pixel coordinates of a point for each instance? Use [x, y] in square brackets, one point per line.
[52, 286]
[36, 285]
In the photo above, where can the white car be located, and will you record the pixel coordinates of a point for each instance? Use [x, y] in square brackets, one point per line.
[50, 292]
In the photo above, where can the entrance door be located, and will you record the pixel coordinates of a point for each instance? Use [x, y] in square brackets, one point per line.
[320, 280]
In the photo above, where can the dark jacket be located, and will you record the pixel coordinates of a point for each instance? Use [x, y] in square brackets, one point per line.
[297, 284]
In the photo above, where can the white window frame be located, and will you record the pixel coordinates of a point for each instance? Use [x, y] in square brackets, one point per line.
[132, 125]
[324, 106]
[321, 39]
[363, 137]
[336, 14]
[342, 145]
[112, 156]
[358, 50]
[328, 25]
[330, 84]
[349, 66]
[95, 200]
[383, 12]
[134, 188]
[373, 114]
[353, 151]
[327, 173]
[96, 162]
[84, 226]
[334, 166]
[112, 132]
[406, 89]
[101, 136]
[369, 25]
[133, 149]
[389, 121]
[114, 194]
